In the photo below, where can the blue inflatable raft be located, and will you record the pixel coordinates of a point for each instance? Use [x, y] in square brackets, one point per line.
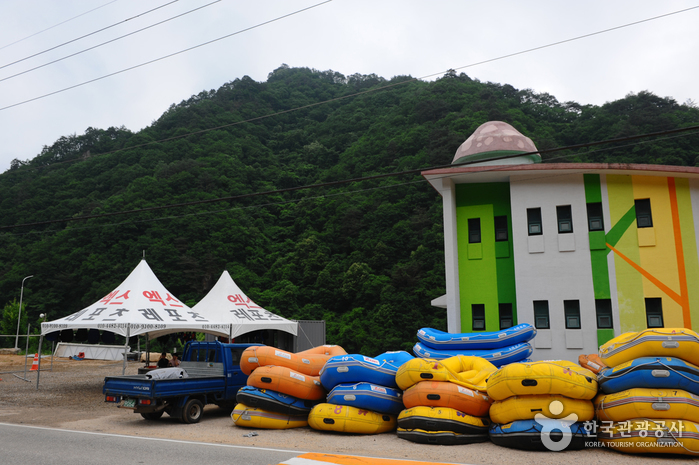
[527, 435]
[368, 396]
[650, 372]
[273, 401]
[498, 357]
[436, 339]
[355, 368]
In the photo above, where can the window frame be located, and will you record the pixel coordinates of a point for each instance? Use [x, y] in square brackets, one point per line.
[474, 231]
[654, 309]
[594, 216]
[644, 213]
[603, 309]
[564, 216]
[534, 220]
[538, 313]
[507, 307]
[500, 223]
[480, 309]
[571, 311]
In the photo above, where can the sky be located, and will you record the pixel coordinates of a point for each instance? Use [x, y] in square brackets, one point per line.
[502, 41]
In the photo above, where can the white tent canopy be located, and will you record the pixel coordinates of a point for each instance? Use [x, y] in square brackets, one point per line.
[226, 302]
[141, 304]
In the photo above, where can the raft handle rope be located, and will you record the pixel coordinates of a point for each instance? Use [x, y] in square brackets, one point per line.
[659, 362]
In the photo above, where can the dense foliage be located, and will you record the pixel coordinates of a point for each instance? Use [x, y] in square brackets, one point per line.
[365, 256]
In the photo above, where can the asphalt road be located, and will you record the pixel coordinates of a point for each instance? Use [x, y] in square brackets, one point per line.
[29, 445]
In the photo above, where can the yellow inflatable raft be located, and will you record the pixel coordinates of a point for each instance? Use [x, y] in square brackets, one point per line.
[657, 404]
[651, 436]
[346, 419]
[465, 370]
[251, 417]
[442, 419]
[526, 407]
[681, 343]
[548, 377]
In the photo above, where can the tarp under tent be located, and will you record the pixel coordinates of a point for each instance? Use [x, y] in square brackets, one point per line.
[226, 302]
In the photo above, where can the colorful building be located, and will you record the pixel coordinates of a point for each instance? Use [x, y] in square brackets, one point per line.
[584, 252]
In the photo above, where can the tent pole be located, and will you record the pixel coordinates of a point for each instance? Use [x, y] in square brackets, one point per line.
[41, 341]
[126, 344]
[230, 334]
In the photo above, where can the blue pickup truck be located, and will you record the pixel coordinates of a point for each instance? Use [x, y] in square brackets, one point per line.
[213, 377]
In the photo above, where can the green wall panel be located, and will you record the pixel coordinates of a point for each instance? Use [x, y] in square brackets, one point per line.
[604, 336]
[488, 279]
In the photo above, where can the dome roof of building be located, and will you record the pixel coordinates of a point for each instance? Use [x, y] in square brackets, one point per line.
[493, 140]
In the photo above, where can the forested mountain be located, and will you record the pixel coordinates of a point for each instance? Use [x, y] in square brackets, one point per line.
[365, 256]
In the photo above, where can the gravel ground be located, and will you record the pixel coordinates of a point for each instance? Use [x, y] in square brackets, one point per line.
[70, 397]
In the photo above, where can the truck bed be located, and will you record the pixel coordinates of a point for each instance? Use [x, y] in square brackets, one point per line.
[204, 377]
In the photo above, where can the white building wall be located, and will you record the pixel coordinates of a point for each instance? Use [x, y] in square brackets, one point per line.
[446, 189]
[554, 267]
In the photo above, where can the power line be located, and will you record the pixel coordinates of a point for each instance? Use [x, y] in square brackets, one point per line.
[327, 1]
[82, 37]
[376, 89]
[56, 25]
[165, 57]
[345, 181]
[108, 42]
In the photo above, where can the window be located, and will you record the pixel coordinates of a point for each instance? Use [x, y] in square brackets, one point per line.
[572, 313]
[474, 230]
[501, 233]
[541, 314]
[654, 312]
[644, 219]
[534, 221]
[595, 219]
[505, 315]
[478, 312]
[603, 309]
[565, 219]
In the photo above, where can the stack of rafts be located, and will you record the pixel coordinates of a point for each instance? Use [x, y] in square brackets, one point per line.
[363, 398]
[649, 401]
[542, 405]
[445, 400]
[499, 348]
[282, 386]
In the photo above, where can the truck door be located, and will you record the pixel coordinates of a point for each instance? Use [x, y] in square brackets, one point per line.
[235, 376]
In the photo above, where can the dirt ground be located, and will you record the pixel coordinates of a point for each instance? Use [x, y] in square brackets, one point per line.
[70, 397]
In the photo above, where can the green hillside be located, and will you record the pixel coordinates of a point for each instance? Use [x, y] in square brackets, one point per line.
[365, 256]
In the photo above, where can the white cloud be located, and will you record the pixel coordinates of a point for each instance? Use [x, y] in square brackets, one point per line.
[385, 37]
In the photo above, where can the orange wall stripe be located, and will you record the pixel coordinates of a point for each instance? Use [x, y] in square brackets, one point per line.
[672, 294]
[679, 250]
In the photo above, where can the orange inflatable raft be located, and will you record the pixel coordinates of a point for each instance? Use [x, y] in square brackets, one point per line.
[287, 381]
[592, 362]
[446, 394]
[308, 362]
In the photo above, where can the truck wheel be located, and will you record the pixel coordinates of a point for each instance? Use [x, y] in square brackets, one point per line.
[152, 415]
[192, 411]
